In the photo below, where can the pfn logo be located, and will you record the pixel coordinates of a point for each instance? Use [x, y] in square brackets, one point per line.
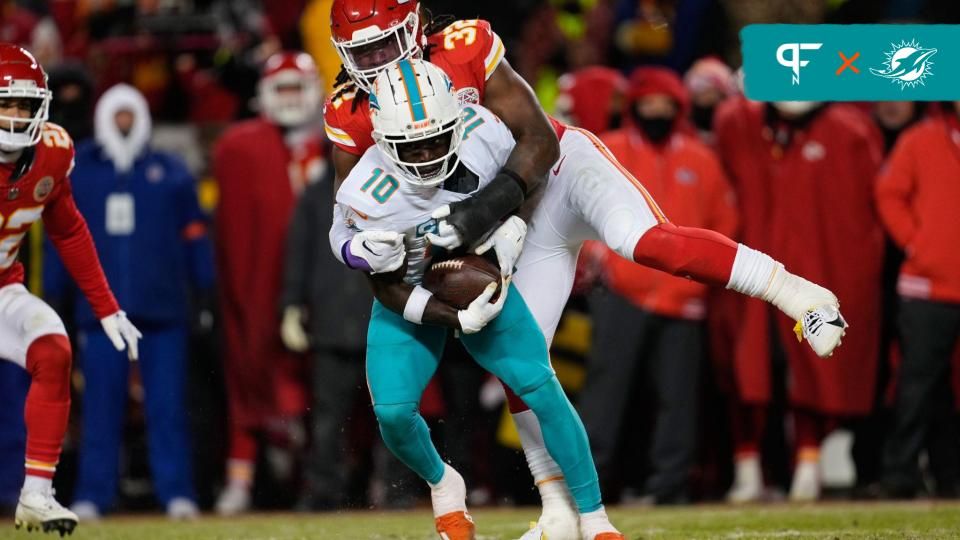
[794, 62]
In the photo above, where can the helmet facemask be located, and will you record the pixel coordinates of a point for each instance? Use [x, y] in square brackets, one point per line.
[428, 156]
[290, 98]
[368, 54]
[16, 132]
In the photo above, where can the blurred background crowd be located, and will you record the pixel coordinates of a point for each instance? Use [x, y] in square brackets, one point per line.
[250, 393]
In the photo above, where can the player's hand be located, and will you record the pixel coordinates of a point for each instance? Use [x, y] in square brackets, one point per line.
[480, 312]
[122, 333]
[291, 329]
[447, 236]
[507, 243]
[377, 252]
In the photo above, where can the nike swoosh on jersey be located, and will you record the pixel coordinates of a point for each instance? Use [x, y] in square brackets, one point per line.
[557, 170]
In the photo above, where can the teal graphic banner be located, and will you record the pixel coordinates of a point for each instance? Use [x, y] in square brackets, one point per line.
[857, 62]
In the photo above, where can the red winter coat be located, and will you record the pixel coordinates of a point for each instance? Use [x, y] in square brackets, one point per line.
[917, 196]
[809, 204]
[252, 166]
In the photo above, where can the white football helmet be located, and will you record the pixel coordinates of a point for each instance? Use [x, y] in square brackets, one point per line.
[289, 89]
[412, 102]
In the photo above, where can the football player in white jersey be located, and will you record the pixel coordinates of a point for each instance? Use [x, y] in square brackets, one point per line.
[422, 162]
[598, 199]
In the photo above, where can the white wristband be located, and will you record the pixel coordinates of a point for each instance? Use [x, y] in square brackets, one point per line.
[416, 304]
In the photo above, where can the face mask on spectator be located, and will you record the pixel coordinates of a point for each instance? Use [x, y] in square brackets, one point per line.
[656, 128]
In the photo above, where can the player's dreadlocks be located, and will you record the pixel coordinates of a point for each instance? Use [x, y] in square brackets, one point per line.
[432, 25]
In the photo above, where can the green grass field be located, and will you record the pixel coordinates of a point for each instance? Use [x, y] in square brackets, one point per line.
[826, 521]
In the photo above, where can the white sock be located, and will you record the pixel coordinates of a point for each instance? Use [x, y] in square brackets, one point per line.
[542, 466]
[757, 274]
[36, 483]
[449, 494]
[596, 522]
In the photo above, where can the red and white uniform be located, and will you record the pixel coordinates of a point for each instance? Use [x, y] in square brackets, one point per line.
[467, 51]
[591, 195]
[43, 193]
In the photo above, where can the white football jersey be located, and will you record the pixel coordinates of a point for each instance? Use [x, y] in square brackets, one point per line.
[374, 197]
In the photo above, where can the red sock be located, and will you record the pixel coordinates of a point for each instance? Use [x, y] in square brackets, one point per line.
[747, 422]
[243, 444]
[701, 254]
[48, 402]
[808, 433]
[514, 403]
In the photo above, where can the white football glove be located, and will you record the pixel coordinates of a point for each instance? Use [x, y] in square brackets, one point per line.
[507, 243]
[383, 251]
[447, 236]
[291, 330]
[480, 312]
[122, 333]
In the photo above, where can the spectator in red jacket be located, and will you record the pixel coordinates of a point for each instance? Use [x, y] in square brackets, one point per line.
[649, 329]
[916, 195]
[804, 177]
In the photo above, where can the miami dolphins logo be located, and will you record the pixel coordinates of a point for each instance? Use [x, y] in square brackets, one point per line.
[907, 64]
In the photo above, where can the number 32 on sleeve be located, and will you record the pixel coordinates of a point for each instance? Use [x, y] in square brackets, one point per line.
[460, 30]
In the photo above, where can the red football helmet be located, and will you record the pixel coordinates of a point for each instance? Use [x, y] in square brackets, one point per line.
[370, 35]
[22, 77]
[289, 89]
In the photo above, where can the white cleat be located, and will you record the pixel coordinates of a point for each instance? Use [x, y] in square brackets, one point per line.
[747, 481]
[39, 510]
[558, 523]
[234, 500]
[823, 328]
[535, 532]
[182, 509]
[806, 482]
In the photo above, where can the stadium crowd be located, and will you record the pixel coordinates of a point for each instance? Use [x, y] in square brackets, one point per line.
[209, 197]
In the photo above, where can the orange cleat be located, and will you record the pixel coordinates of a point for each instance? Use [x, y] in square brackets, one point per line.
[610, 536]
[456, 526]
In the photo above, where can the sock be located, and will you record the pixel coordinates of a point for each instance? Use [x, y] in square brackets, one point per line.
[747, 422]
[37, 483]
[595, 522]
[700, 254]
[240, 473]
[47, 408]
[566, 441]
[449, 494]
[758, 275]
[546, 473]
[808, 433]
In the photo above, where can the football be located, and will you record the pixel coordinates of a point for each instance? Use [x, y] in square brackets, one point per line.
[460, 280]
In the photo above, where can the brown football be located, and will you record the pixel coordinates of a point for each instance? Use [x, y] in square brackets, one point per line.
[459, 281]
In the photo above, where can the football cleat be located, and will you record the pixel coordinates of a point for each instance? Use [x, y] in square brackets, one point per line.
[806, 482]
[823, 328]
[456, 526]
[535, 532]
[39, 510]
[610, 536]
[559, 525]
[234, 500]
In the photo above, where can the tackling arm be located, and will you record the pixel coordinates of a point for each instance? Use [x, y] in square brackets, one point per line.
[537, 148]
